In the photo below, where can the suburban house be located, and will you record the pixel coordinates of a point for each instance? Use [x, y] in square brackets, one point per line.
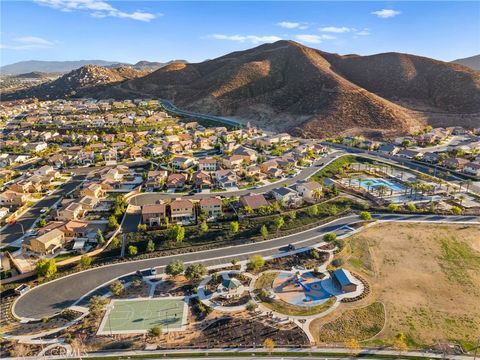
[249, 154]
[46, 243]
[182, 162]
[309, 190]
[94, 190]
[176, 181]
[253, 201]
[207, 164]
[202, 180]
[409, 154]
[431, 157]
[212, 207]
[154, 214]
[472, 169]
[12, 198]
[88, 202]
[226, 178]
[234, 161]
[72, 211]
[286, 196]
[77, 229]
[113, 175]
[183, 211]
[45, 170]
[156, 179]
[388, 149]
[455, 163]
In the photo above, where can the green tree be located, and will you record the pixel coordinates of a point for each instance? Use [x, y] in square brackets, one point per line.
[393, 207]
[97, 304]
[46, 268]
[115, 242]
[41, 223]
[112, 222]
[292, 215]
[155, 331]
[330, 237]
[85, 261]
[132, 250]
[279, 222]
[256, 262]
[116, 287]
[174, 268]
[100, 237]
[177, 233]
[312, 210]
[150, 246]
[264, 231]
[195, 271]
[411, 207]
[400, 343]
[456, 210]
[234, 227]
[365, 216]
[204, 226]
[142, 227]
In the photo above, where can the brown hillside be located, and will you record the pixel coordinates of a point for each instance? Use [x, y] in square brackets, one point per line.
[285, 86]
[289, 87]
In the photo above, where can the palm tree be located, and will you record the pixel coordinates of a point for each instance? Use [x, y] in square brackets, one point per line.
[469, 182]
[369, 184]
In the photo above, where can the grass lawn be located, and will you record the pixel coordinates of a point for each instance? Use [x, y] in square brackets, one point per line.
[265, 280]
[65, 256]
[361, 324]
[426, 275]
[294, 310]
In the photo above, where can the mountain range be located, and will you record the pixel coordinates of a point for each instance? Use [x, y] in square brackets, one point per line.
[286, 86]
[473, 62]
[67, 66]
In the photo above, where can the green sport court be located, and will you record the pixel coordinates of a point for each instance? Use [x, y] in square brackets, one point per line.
[139, 315]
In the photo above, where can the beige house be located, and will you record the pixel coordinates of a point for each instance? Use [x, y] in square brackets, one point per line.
[183, 211]
[46, 243]
[154, 214]
[72, 211]
[93, 190]
[309, 190]
[212, 207]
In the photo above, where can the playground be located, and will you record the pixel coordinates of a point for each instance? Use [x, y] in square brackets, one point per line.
[304, 289]
[134, 316]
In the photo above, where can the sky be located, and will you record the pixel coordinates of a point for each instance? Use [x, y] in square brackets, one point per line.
[129, 31]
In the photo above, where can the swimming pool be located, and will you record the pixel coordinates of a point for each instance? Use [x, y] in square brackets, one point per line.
[376, 182]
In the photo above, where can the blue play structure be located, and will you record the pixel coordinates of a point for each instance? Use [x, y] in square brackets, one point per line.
[305, 287]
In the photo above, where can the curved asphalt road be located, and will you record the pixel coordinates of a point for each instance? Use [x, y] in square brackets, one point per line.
[52, 297]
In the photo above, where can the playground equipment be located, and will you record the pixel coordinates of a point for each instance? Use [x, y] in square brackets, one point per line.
[304, 286]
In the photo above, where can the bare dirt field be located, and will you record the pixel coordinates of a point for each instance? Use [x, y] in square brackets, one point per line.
[427, 277]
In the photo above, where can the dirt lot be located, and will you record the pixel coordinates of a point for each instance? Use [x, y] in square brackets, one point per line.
[427, 276]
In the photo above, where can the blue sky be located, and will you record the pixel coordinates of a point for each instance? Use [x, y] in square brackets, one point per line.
[160, 31]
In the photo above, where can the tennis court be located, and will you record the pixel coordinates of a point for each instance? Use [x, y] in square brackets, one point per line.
[138, 315]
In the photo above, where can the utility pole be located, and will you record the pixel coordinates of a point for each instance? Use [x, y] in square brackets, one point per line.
[476, 349]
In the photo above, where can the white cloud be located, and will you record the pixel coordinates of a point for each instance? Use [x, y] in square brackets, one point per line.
[364, 32]
[254, 39]
[335, 29]
[292, 25]
[100, 9]
[386, 13]
[288, 24]
[28, 42]
[313, 39]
